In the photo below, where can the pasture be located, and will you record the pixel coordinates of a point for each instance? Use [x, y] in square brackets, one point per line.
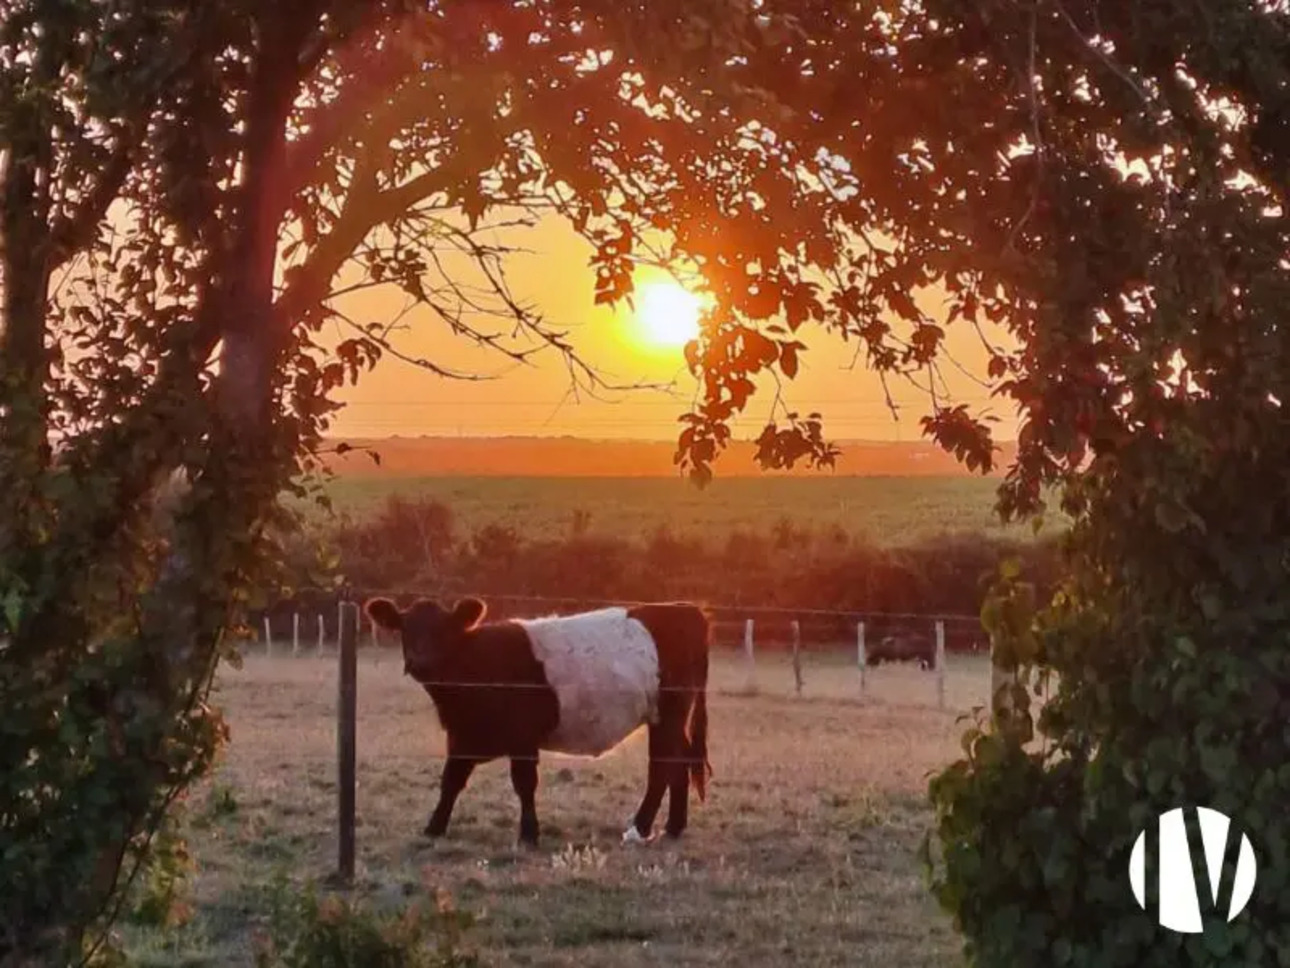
[805, 852]
[884, 511]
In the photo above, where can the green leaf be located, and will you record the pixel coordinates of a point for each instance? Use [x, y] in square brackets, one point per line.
[13, 602]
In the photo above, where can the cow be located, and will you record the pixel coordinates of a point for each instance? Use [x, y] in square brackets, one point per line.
[578, 684]
[903, 648]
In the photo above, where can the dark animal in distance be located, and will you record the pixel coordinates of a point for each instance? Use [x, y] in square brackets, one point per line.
[903, 648]
[578, 684]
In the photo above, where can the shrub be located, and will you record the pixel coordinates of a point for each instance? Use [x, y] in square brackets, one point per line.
[159, 889]
[782, 566]
[308, 931]
[405, 541]
[1165, 700]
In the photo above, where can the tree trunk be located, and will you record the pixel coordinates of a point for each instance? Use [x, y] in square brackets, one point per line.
[246, 463]
[24, 360]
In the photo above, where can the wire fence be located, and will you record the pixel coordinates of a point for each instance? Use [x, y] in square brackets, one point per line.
[499, 602]
[898, 658]
[857, 672]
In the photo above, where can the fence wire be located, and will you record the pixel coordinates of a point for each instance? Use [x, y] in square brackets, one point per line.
[579, 601]
[594, 690]
[481, 758]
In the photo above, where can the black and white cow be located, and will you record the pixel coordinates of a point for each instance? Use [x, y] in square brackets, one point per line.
[578, 684]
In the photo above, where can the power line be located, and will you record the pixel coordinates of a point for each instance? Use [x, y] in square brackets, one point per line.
[597, 421]
[516, 402]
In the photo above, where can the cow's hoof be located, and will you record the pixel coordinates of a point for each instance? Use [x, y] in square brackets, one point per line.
[633, 836]
[433, 831]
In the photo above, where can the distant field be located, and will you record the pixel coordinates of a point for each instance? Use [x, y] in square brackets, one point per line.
[883, 510]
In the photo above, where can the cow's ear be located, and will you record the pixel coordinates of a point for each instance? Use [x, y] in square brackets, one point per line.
[469, 612]
[385, 613]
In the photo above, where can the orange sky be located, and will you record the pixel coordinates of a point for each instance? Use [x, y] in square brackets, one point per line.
[400, 398]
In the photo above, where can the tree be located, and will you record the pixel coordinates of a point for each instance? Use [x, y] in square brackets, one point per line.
[1152, 373]
[181, 185]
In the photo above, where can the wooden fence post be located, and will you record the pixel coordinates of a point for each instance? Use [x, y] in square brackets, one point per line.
[268, 637]
[940, 663]
[322, 630]
[295, 633]
[861, 658]
[797, 654]
[748, 654]
[346, 747]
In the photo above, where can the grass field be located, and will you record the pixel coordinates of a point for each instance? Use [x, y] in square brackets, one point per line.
[805, 852]
[883, 510]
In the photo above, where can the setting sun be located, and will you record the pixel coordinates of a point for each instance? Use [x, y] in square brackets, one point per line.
[669, 313]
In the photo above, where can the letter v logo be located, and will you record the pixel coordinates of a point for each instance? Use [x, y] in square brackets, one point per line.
[1179, 891]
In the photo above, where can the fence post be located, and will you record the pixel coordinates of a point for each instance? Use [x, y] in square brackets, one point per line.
[748, 654]
[940, 663]
[322, 630]
[797, 654]
[295, 633]
[340, 620]
[346, 735]
[268, 637]
[861, 658]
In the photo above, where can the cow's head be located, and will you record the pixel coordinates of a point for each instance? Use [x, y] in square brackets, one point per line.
[429, 632]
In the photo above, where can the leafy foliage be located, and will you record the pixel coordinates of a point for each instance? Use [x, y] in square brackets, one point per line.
[1151, 376]
[159, 895]
[334, 932]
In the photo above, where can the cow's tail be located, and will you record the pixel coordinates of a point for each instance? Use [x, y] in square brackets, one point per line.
[700, 768]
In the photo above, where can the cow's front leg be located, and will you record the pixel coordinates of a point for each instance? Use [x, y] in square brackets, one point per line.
[524, 777]
[456, 773]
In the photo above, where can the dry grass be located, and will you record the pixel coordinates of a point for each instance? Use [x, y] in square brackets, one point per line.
[804, 853]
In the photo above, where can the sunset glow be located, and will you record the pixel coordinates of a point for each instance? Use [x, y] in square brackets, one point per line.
[668, 314]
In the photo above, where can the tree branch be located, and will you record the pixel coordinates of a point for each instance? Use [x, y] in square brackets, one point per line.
[366, 76]
[71, 234]
[365, 210]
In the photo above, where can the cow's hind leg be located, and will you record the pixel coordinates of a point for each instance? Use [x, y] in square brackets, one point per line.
[678, 792]
[456, 773]
[678, 772]
[524, 778]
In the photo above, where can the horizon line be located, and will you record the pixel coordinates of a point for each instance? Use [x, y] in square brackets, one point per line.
[624, 440]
